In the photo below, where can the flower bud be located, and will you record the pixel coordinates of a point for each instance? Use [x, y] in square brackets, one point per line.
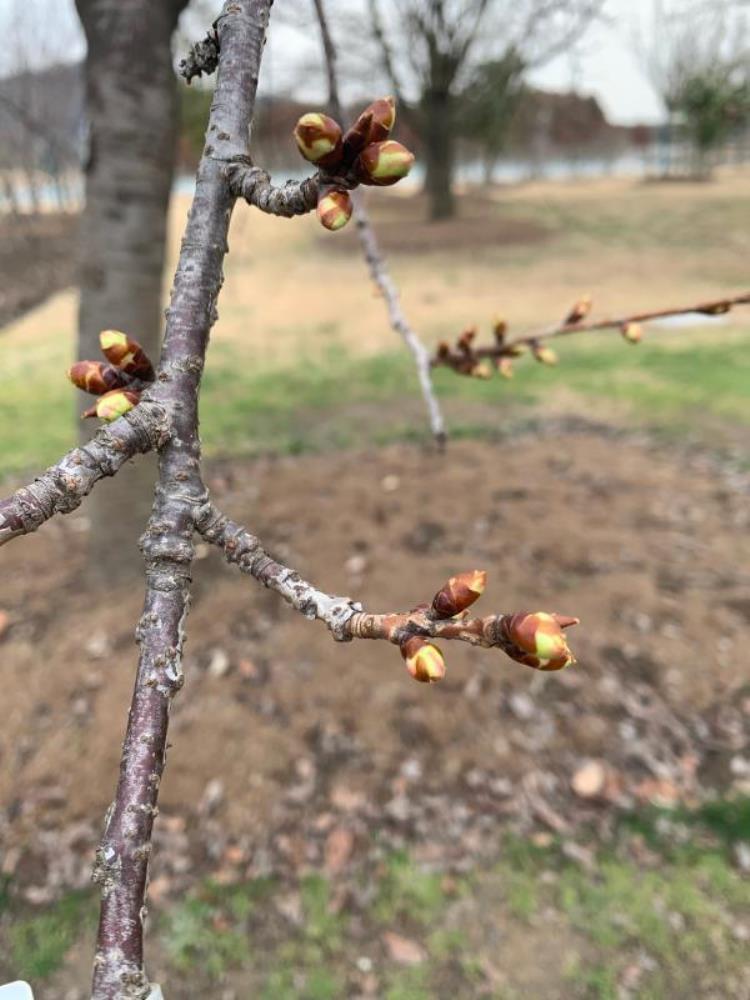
[466, 339]
[383, 163]
[459, 593]
[579, 311]
[499, 328]
[373, 125]
[536, 639]
[318, 138]
[423, 660]
[334, 210]
[544, 354]
[717, 309]
[481, 370]
[632, 332]
[95, 377]
[505, 367]
[443, 350]
[126, 354]
[113, 404]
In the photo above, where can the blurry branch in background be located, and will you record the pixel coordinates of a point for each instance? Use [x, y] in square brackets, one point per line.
[478, 361]
[374, 256]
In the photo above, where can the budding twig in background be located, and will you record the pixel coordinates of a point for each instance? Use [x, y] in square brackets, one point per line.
[466, 359]
[117, 384]
[382, 115]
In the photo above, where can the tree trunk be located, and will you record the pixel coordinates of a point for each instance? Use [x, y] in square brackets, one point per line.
[131, 97]
[439, 153]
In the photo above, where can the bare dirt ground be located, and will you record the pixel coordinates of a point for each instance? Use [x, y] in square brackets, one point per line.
[291, 753]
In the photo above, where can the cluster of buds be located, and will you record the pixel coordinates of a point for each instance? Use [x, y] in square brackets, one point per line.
[465, 359]
[537, 640]
[363, 154]
[117, 384]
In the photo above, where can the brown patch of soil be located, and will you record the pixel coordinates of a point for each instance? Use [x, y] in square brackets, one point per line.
[37, 258]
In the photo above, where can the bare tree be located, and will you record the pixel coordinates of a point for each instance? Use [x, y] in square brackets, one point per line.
[438, 40]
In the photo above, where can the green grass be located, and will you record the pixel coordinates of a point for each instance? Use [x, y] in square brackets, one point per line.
[37, 945]
[337, 400]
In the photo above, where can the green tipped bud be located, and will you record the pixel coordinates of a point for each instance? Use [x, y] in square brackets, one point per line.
[318, 138]
[335, 210]
[459, 593]
[580, 311]
[632, 332]
[536, 639]
[423, 660]
[545, 355]
[113, 404]
[126, 354]
[505, 367]
[482, 370]
[96, 377]
[383, 163]
[499, 328]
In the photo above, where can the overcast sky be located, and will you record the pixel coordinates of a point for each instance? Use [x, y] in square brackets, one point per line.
[605, 64]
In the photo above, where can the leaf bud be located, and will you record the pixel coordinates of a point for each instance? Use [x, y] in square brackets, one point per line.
[580, 311]
[536, 639]
[113, 404]
[459, 593]
[424, 661]
[334, 210]
[96, 377]
[632, 332]
[126, 354]
[318, 138]
[383, 163]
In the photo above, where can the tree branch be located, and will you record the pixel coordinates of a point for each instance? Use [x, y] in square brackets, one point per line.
[290, 199]
[345, 618]
[123, 854]
[62, 488]
[465, 358]
[374, 256]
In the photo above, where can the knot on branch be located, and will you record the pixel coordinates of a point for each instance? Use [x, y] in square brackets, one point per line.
[202, 58]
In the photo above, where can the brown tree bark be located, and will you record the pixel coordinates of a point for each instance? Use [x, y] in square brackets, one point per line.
[439, 151]
[131, 96]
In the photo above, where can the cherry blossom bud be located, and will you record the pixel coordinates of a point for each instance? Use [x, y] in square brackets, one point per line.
[126, 354]
[318, 138]
[95, 377]
[335, 210]
[424, 661]
[544, 354]
[465, 341]
[499, 328]
[113, 404]
[459, 593]
[632, 332]
[536, 639]
[443, 349]
[718, 309]
[373, 125]
[505, 367]
[383, 163]
[579, 311]
[482, 370]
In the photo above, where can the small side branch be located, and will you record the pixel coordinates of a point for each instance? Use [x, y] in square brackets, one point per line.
[286, 200]
[202, 58]
[63, 486]
[345, 618]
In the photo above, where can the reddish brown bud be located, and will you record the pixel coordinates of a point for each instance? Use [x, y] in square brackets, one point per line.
[424, 661]
[459, 593]
[334, 210]
[96, 377]
[465, 341]
[718, 309]
[383, 163]
[536, 639]
[579, 311]
[374, 124]
[113, 404]
[126, 354]
[544, 354]
[318, 138]
[505, 367]
[632, 332]
[443, 349]
[499, 328]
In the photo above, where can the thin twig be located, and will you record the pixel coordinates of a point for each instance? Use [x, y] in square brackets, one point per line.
[374, 255]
